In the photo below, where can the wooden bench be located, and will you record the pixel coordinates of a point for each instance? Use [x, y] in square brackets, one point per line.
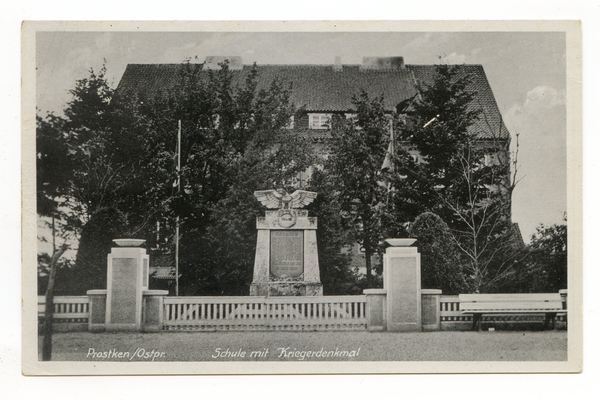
[478, 305]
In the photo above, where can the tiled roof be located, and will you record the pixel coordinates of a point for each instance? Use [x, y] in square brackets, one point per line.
[323, 88]
[315, 87]
[517, 237]
[490, 124]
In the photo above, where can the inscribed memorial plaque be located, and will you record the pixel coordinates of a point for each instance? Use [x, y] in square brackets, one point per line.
[287, 249]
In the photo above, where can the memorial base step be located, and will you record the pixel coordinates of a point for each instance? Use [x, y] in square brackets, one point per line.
[272, 289]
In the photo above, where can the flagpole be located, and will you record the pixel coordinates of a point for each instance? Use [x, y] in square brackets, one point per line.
[177, 220]
[392, 153]
[388, 161]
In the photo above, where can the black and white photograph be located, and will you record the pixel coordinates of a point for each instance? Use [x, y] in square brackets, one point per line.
[301, 198]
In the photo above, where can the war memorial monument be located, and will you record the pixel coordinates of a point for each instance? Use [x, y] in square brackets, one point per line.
[287, 261]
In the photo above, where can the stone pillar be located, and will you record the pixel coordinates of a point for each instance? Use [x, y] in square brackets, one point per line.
[152, 319]
[127, 278]
[97, 310]
[563, 320]
[430, 306]
[402, 282]
[311, 256]
[376, 309]
[261, 263]
[563, 296]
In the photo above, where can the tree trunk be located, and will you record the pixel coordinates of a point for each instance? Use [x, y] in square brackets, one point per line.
[48, 314]
[368, 253]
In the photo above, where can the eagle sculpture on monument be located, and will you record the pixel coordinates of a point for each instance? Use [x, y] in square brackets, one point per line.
[279, 198]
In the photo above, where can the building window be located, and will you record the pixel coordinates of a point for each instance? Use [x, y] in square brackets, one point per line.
[319, 121]
[491, 159]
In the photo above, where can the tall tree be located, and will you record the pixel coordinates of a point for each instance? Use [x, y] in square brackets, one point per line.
[361, 186]
[440, 261]
[467, 181]
[334, 240]
[547, 261]
[53, 169]
[95, 161]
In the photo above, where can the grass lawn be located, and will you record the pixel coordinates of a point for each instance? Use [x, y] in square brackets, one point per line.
[311, 346]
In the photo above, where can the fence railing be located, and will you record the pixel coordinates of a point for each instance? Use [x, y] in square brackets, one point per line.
[69, 313]
[319, 313]
[450, 315]
[265, 313]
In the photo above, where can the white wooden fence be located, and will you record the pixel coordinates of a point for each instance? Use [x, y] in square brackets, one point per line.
[69, 313]
[319, 313]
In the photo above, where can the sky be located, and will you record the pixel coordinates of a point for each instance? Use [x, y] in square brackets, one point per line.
[526, 70]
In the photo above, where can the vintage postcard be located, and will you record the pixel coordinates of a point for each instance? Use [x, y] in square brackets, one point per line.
[301, 197]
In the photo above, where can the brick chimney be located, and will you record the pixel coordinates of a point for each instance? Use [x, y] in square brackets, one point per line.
[383, 63]
[337, 64]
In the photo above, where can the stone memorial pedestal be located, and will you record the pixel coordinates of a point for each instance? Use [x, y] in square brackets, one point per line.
[286, 262]
[127, 279]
